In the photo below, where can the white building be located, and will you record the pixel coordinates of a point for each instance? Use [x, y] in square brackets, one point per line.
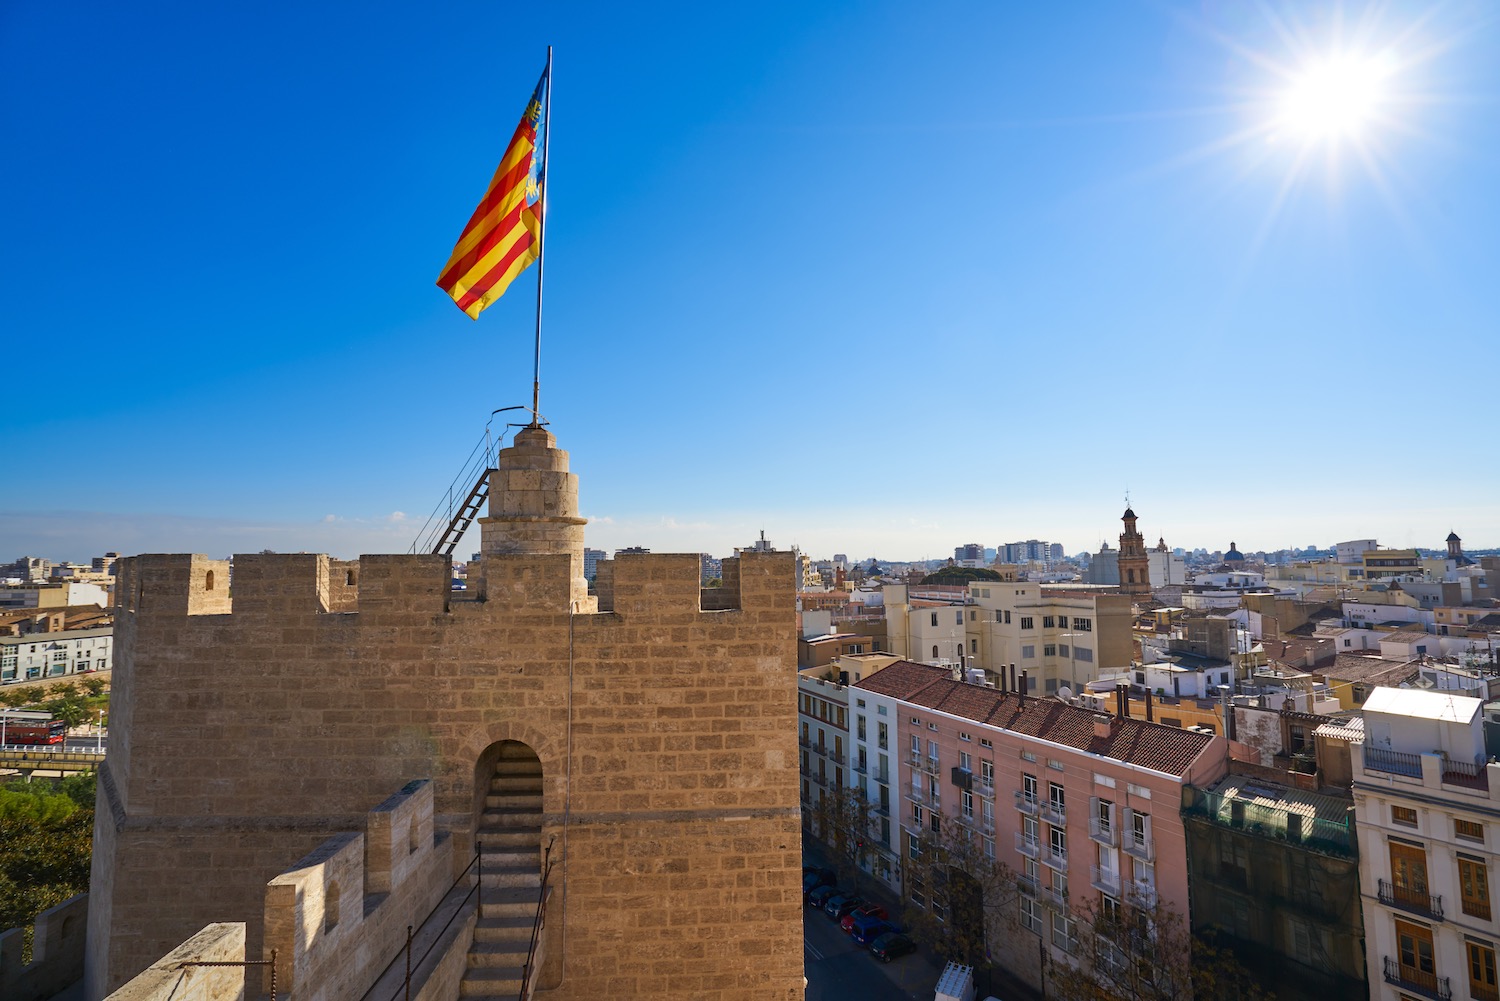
[1165, 568]
[1426, 810]
[54, 655]
[1352, 551]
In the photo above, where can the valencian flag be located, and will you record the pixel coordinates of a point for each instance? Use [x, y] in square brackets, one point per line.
[503, 236]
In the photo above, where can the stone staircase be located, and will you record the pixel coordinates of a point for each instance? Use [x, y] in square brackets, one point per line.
[509, 835]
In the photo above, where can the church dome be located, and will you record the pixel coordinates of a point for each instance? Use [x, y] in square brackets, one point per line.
[1234, 555]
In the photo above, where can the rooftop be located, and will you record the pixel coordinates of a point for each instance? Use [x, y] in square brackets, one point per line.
[1422, 704]
[1162, 748]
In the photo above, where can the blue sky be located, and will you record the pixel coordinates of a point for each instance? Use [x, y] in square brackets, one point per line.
[877, 281]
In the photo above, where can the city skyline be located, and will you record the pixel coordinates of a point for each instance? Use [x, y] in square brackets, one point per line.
[1019, 263]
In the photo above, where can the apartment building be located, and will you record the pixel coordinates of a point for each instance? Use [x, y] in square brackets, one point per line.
[1083, 806]
[56, 654]
[1057, 636]
[823, 742]
[1427, 805]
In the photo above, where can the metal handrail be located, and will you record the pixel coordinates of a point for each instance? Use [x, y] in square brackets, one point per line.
[406, 950]
[539, 923]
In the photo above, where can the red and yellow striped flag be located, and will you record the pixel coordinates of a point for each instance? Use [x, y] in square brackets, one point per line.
[504, 234]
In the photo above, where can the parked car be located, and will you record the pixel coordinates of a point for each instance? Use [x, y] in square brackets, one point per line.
[837, 906]
[847, 923]
[819, 896]
[888, 946]
[814, 878]
[867, 927]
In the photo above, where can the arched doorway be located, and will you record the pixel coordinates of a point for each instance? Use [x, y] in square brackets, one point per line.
[508, 833]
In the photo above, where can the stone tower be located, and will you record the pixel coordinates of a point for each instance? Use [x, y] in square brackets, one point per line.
[653, 728]
[1135, 567]
[1456, 551]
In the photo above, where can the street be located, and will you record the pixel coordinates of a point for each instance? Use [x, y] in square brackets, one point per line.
[839, 970]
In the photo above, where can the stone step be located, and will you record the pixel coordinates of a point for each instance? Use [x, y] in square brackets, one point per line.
[503, 818]
[514, 875]
[504, 841]
[518, 766]
[524, 782]
[513, 801]
[504, 902]
[491, 981]
[510, 928]
[488, 955]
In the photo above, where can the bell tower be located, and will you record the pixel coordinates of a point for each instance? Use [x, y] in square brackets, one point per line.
[1135, 567]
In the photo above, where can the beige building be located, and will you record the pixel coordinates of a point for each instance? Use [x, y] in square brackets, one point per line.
[1427, 806]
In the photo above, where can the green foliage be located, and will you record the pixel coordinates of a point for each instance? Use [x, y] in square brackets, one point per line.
[16, 696]
[63, 690]
[44, 856]
[79, 788]
[960, 575]
[70, 709]
[94, 686]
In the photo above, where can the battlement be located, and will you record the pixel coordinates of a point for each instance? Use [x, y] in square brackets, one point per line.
[336, 915]
[294, 585]
[56, 952]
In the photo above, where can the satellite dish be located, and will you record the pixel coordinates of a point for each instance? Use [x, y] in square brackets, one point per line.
[1065, 692]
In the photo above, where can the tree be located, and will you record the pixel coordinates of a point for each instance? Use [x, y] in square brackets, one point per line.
[960, 575]
[964, 895]
[63, 690]
[1129, 953]
[94, 686]
[71, 711]
[842, 822]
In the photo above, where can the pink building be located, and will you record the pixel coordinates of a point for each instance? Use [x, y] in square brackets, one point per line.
[1084, 807]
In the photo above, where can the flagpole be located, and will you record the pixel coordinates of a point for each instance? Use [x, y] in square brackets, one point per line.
[541, 250]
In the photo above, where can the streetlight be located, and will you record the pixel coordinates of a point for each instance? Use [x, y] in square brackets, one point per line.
[99, 734]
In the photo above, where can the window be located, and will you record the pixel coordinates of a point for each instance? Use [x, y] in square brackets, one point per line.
[1049, 621]
[1404, 815]
[958, 617]
[1482, 983]
[934, 821]
[968, 804]
[973, 646]
[1055, 796]
[841, 723]
[988, 808]
[934, 618]
[916, 746]
[963, 736]
[914, 848]
[1414, 946]
[987, 772]
[1054, 764]
[1029, 755]
[918, 891]
[1083, 625]
[1049, 649]
[1057, 840]
[916, 815]
[1007, 617]
[1140, 828]
[972, 615]
[1468, 830]
[1104, 815]
[881, 736]
[1026, 622]
[1031, 915]
[934, 651]
[965, 761]
[1084, 654]
[932, 749]
[1028, 652]
[860, 726]
[1062, 932]
[1029, 788]
[985, 742]
[1474, 887]
[989, 847]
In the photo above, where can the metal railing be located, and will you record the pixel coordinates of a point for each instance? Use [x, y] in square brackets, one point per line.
[1417, 902]
[1027, 804]
[1138, 845]
[1410, 978]
[1105, 880]
[1056, 857]
[1101, 832]
[1030, 847]
[1380, 759]
[528, 971]
[1028, 885]
[1142, 895]
[1054, 812]
[478, 867]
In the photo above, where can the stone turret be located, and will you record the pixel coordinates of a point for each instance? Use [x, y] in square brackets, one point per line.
[1135, 567]
[534, 505]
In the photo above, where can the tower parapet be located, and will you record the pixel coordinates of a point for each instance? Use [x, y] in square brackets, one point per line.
[534, 506]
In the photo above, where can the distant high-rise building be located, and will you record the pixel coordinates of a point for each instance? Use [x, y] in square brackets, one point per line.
[1056, 552]
[591, 558]
[632, 550]
[970, 554]
[710, 568]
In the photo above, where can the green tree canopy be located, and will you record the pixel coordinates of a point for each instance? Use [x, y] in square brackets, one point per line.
[960, 575]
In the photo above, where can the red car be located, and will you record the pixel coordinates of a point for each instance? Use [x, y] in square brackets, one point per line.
[874, 910]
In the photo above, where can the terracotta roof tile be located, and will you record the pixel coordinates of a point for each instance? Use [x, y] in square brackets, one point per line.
[1156, 746]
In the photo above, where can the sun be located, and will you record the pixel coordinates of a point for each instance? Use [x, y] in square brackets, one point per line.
[1335, 97]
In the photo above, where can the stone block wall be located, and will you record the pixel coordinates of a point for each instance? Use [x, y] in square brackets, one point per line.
[259, 727]
[174, 977]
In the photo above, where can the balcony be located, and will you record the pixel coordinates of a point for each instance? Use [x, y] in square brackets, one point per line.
[1105, 880]
[1055, 857]
[804, 742]
[1102, 832]
[1054, 813]
[1030, 847]
[1029, 885]
[821, 779]
[931, 766]
[1053, 897]
[1379, 759]
[883, 777]
[861, 767]
[1027, 803]
[1426, 904]
[1409, 978]
[1138, 845]
[914, 759]
[820, 749]
[836, 756]
[986, 787]
[917, 795]
[1142, 895]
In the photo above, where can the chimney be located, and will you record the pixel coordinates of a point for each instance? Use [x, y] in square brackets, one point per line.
[1150, 716]
[1023, 686]
[1104, 726]
[1013, 677]
[1122, 701]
